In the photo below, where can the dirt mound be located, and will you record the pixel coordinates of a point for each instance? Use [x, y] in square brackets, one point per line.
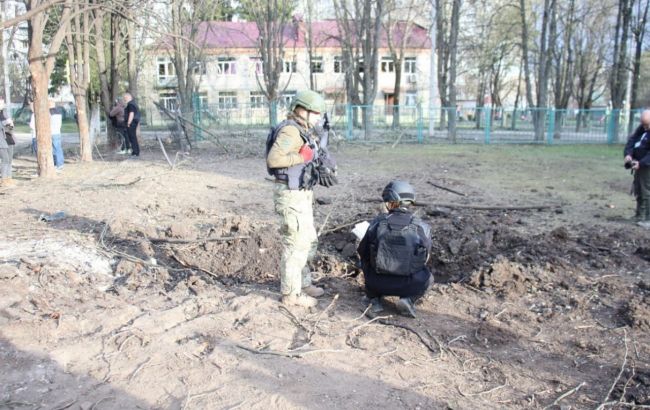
[230, 250]
[504, 277]
[637, 313]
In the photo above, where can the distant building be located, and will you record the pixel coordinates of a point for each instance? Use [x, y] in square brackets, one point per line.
[232, 73]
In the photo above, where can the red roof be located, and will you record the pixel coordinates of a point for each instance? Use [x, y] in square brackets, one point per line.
[229, 34]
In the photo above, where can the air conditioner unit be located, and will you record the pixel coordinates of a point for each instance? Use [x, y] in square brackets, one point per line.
[412, 78]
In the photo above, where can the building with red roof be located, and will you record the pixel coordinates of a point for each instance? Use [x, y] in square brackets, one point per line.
[231, 75]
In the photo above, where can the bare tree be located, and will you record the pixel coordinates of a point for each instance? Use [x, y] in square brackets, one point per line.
[399, 24]
[447, 50]
[359, 23]
[272, 19]
[78, 43]
[638, 34]
[543, 60]
[41, 64]
[108, 47]
[590, 43]
[620, 64]
[564, 63]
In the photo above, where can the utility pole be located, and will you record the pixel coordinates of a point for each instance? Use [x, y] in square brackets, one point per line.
[433, 74]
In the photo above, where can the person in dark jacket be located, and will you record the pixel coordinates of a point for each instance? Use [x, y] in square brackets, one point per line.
[394, 252]
[637, 158]
[132, 118]
[117, 119]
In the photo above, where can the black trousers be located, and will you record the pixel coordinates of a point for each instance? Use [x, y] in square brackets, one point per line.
[642, 193]
[413, 286]
[133, 138]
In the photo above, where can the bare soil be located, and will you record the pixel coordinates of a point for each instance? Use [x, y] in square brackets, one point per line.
[159, 287]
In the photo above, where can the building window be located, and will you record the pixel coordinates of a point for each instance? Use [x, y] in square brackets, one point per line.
[316, 65]
[387, 65]
[411, 99]
[257, 99]
[338, 64]
[166, 71]
[289, 66]
[409, 65]
[169, 100]
[226, 66]
[203, 99]
[361, 65]
[287, 97]
[227, 100]
[198, 68]
[256, 63]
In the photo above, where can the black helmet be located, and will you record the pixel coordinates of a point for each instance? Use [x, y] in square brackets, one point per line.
[399, 191]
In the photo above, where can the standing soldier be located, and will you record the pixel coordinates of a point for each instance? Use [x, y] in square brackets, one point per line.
[298, 162]
[637, 157]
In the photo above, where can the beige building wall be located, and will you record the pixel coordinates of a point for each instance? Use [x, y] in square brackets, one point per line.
[222, 88]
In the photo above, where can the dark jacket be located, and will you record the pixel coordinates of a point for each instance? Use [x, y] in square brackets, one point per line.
[413, 285]
[638, 146]
[131, 107]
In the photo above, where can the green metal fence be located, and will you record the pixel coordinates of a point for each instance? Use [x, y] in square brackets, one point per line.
[422, 124]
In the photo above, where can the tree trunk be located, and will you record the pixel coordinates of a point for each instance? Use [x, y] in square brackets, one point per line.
[44, 156]
[132, 60]
[639, 33]
[85, 147]
[396, 92]
[453, 51]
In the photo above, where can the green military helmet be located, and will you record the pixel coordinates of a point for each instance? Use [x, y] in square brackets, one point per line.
[309, 100]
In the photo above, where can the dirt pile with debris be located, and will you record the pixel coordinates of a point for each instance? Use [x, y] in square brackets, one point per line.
[160, 289]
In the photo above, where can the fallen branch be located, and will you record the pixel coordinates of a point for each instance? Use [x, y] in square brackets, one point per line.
[424, 341]
[142, 365]
[491, 207]
[341, 227]
[164, 151]
[135, 181]
[287, 354]
[219, 239]
[190, 266]
[399, 138]
[482, 392]
[446, 189]
[311, 333]
[565, 395]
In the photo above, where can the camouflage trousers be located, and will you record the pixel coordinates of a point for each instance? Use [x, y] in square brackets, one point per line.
[299, 239]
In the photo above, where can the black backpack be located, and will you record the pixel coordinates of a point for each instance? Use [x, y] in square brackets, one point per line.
[397, 249]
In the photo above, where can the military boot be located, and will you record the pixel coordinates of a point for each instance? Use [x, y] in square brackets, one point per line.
[299, 300]
[406, 307]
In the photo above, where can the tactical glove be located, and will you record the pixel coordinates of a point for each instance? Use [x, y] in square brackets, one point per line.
[327, 176]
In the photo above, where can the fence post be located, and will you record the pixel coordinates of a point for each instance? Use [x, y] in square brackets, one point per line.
[550, 112]
[420, 124]
[348, 114]
[487, 113]
[612, 124]
[196, 105]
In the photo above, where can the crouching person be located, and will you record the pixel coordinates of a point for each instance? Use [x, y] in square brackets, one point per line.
[394, 252]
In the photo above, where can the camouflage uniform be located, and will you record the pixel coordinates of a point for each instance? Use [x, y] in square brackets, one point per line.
[294, 206]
